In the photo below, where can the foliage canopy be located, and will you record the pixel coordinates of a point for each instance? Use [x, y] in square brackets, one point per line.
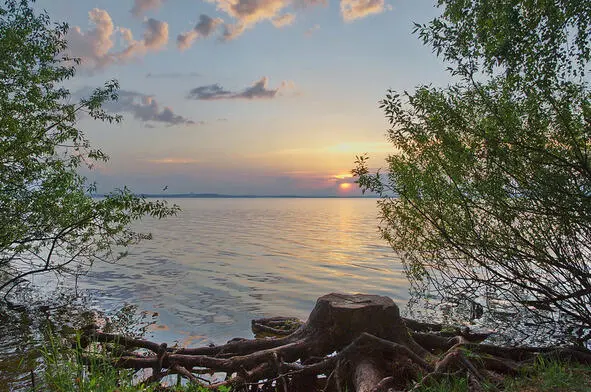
[488, 193]
[49, 221]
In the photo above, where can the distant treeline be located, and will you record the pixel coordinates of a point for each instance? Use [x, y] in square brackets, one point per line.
[222, 196]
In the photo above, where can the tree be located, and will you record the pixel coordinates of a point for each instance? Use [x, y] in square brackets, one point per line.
[49, 221]
[488, 192]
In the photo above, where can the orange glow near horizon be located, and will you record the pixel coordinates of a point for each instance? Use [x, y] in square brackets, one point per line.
[345, 186]
[343, 176]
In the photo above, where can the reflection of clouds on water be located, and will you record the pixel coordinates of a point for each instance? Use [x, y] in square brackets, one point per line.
[223, 262]
[191, 340]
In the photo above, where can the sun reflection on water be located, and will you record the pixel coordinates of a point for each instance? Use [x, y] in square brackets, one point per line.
[223, 262]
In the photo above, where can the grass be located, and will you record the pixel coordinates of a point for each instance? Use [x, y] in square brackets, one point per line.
[64, 372]
[456, 384]
[552, 376]
[542, 376]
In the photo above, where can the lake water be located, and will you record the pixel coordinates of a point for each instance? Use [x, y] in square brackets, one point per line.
[223, 262]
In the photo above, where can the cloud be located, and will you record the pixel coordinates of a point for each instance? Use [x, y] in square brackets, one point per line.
[283, 20]
[204, 28]
[252, 11]
[232, 31]
[210, 92]
[207, 25]
[355, 9]
[95, 44]
[146, 109]
[156, 34]
[257, 90]
[96, 47]
[249, 12]
[141, 6]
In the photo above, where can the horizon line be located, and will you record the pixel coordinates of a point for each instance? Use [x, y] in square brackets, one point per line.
[243, 196]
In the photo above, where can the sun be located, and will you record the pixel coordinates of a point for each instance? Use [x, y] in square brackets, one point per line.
[345, 186]
[343, 176]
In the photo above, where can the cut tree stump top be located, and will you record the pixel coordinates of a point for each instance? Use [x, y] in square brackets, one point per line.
[356, 301]
[338, 319]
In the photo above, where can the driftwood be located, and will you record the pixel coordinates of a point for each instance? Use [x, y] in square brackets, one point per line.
[349, 343]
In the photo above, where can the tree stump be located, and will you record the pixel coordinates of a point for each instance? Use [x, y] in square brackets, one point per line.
[338, 319]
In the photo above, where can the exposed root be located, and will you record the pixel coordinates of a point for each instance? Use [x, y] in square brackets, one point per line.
[349, 343]
[275, 326]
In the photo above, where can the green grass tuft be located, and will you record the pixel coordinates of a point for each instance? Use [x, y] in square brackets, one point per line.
[448, 384]
[64, 371]
[543, 376]
[552, 376]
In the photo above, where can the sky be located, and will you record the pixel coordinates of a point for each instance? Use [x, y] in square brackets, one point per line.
[265, 97]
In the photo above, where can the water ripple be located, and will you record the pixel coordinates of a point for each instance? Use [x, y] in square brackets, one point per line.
[222, 262]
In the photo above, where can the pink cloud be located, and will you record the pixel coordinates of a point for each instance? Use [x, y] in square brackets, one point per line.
[247, 13]
[356, 9]
[96, 47]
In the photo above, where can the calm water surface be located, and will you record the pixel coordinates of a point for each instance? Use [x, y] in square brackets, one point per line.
[223, 262]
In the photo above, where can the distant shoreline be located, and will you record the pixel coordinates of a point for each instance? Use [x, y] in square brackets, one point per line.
[223, 196]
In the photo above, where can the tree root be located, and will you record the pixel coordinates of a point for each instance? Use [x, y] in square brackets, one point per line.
[275, 326]
[349, 343]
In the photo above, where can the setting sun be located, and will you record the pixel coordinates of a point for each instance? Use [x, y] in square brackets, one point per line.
[343, 176]
[345, 186]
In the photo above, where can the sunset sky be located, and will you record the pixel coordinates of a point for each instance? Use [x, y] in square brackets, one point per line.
[244, 96]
